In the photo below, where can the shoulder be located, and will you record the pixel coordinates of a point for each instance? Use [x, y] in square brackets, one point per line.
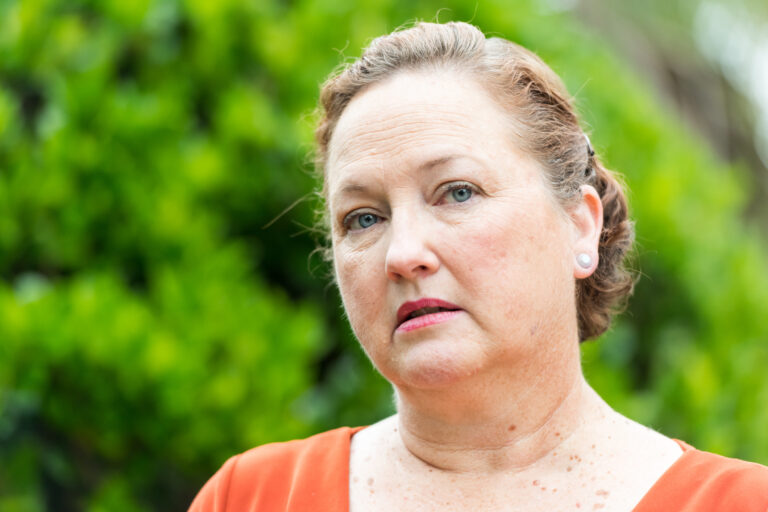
[729, 479]
[273, 474]
[702, 481]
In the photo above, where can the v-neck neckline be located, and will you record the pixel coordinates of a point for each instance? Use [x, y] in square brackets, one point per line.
[648, 503]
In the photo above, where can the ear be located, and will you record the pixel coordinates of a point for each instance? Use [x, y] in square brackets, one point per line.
[587, 218]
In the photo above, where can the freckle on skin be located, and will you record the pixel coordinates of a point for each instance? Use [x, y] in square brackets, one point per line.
[578, 505]
[512, 427]
[535, 482]
[557, 434]
[569, 468]
[598, 506]
[602, 492]
[370, 481]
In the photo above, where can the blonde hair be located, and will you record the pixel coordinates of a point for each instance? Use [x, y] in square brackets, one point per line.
[536, 99]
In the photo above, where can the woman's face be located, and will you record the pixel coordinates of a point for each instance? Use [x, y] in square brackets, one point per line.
[430, 199]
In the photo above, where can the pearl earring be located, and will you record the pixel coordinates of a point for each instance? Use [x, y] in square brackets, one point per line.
[584, 260]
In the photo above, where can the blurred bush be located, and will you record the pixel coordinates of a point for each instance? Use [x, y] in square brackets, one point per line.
[151, 326]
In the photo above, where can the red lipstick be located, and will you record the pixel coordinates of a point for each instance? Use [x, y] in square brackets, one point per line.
[410, 316]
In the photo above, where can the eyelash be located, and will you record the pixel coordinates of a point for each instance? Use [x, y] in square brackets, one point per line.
[350, 218]
[458, 186]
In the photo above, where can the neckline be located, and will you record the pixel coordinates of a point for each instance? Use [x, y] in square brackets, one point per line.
[646, 503]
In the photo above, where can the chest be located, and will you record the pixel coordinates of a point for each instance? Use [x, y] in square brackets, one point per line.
[373, 491]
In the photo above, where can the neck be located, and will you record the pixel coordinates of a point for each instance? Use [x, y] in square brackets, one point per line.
[502, 424]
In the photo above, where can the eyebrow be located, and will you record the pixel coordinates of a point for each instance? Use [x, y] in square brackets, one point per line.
[425, 166]
[436, 162]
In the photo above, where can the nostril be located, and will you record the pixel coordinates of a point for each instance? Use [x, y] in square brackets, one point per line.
[409, 257]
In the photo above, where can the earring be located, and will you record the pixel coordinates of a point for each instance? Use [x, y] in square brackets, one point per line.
[584, 260]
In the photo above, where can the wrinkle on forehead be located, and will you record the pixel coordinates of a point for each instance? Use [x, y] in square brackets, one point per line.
[410, 111]
[411, 92]
[399, 127]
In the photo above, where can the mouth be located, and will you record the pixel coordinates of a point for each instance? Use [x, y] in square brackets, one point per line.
[422, 307]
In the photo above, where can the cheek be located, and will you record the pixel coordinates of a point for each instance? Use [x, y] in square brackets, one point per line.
[356, 279]
[497, 243]
[517, 265]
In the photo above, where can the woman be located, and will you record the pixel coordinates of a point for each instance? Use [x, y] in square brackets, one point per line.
[476, 240]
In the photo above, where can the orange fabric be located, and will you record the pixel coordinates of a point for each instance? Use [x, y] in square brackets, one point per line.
[313, 475]
[703, 482]
[306, 475]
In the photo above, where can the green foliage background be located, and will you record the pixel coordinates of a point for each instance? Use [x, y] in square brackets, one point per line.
[151, 325]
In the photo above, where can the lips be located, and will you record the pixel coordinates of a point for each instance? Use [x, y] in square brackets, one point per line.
[415, 308]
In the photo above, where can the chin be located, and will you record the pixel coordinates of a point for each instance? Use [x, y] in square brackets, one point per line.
[433, 367]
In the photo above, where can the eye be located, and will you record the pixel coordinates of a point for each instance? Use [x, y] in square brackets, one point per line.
[356, 221]
[459, 192]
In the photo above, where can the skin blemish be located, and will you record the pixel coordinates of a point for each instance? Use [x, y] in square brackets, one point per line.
[512, 427]
[536, 482]
[557, 434]
[602, 492]
[598, 506]
[578, 505]
[569, 468]
[370, 481]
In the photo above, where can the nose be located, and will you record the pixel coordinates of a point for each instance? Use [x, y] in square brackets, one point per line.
[409, 255]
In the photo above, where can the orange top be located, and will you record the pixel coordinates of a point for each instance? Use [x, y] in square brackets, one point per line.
[313, 474]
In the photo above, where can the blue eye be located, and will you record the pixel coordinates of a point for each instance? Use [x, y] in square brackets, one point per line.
[367, 220]
[361, 221]
[461, 193]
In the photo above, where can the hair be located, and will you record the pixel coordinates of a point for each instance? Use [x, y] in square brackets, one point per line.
[546, 122]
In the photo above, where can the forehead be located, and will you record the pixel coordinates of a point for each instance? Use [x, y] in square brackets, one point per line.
[414, 117]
